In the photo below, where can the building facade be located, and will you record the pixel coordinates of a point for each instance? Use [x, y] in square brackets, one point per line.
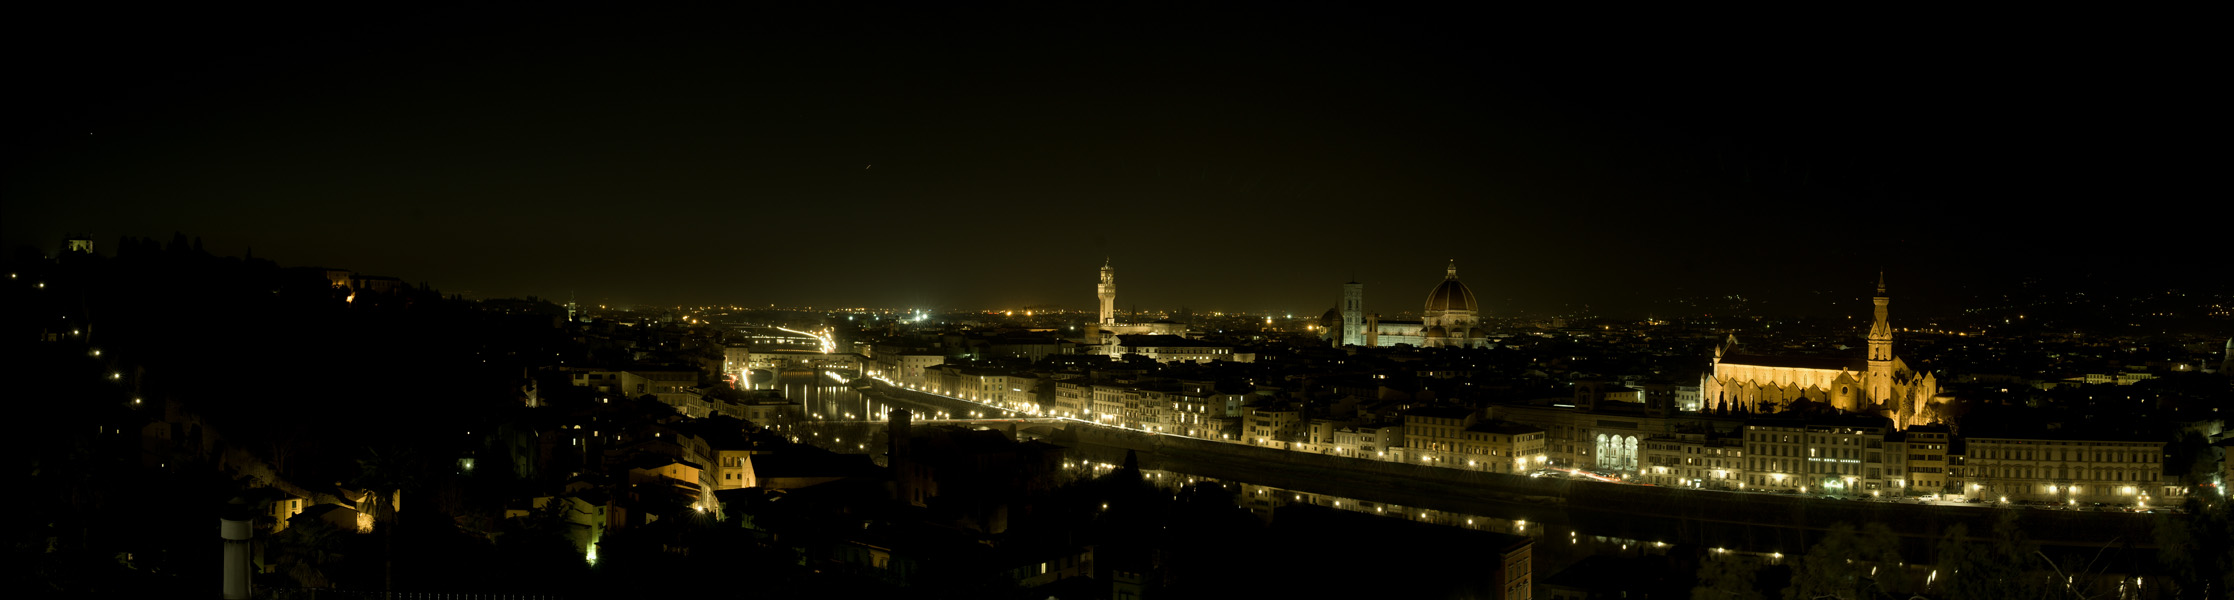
[1692, 460]
[1171, 348]
[1450, 318]
[1878, 383]
[1460, 438]
[2114, 471]
[1928, 472]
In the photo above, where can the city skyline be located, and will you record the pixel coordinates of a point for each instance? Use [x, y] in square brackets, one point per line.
[2083, 302]
[1114, 301]
[580, 450]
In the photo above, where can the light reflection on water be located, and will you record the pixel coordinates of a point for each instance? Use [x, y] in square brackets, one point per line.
[1554, 545]
[841, 419]
[835, 417]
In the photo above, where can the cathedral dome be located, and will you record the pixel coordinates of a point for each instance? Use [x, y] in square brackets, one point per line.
[1332, 319]
[1436, 332]
[1451, 295]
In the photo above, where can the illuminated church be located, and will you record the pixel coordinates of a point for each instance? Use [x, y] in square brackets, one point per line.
[1878, 382]
[1451, 319]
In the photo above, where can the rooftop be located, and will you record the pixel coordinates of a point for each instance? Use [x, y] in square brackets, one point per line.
[1798, 362]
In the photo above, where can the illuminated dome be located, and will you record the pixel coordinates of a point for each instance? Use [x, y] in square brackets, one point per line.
[1451, 295]
[1436, 332]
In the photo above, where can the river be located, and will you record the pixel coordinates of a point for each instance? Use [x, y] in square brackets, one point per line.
[842, 419]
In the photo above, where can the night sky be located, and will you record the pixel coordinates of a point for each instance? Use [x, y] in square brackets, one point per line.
[1233, 161]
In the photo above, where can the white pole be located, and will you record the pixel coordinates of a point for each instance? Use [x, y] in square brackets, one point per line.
[233, 527]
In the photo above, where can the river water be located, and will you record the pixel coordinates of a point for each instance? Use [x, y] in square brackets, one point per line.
[839, 418]
[842, 419]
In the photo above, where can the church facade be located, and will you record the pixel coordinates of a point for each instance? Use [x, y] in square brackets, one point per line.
[1451, 319]
[1878, 382]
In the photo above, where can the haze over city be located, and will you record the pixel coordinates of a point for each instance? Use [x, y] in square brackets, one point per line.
[1228, 161]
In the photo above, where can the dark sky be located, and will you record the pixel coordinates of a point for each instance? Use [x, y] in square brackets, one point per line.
[1246, 160]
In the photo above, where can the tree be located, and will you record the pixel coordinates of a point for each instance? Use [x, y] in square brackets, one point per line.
[1888, 573]
[537, 552]
[2198, 551]
[2192, 458]
[384, 475]
[2006, 565]
[1726, 577]
[1851, 564]
[308, 551]
[1805, 405]
[1955, 554]
[1829, 569]
[1940, 412]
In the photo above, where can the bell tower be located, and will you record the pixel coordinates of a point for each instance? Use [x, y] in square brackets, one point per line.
[1880, 384]
[1108, 291]
[1353, 314]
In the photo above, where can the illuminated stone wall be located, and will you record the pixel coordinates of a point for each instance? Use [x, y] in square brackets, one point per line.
[2084, 471]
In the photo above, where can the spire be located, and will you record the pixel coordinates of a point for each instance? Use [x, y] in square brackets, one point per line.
[1880, 327]
[1453, 272]
[1878, 388]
